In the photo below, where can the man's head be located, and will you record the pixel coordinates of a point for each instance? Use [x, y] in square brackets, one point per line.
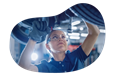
[56, 41]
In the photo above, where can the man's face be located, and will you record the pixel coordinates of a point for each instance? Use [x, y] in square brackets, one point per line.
[58, 41]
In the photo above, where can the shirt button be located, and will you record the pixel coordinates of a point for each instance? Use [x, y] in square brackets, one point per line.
[62, 65]
[59, 62]
[65, 71]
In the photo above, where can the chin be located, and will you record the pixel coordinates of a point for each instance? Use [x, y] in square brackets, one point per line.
[62, 49]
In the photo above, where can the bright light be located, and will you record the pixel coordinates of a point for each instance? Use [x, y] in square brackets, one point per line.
[74, 28]
[75, 23]
[107, 31]
[84, 34]
[34, 56]
[58, 27]
[74, 34]
[102, 30]
[81, 28]
[73, 37]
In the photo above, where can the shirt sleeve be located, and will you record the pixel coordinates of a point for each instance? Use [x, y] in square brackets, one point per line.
[79, 54]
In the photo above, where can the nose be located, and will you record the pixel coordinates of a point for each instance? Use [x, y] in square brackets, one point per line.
[60, 39]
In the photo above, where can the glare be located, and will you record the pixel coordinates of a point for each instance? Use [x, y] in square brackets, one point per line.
[102, 30]
[74, 37]
[75, 23]
[81, 28]
[107, 31]
[84, 34]
[34, 56]
[77, 34]
[74, 28]
[59, 28]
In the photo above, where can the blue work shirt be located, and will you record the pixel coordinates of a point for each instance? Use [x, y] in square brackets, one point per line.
[73, 61]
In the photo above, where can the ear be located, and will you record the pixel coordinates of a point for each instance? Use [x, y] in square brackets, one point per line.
[47, 46]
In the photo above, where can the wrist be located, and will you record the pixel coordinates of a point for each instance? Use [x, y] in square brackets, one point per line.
[32, 41]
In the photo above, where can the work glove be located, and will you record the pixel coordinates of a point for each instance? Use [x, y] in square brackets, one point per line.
[39, 31]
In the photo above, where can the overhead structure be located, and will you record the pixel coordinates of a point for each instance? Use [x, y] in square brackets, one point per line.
[65, 20]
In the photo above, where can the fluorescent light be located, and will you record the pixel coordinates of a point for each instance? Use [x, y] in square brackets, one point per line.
[73, 34]
[81, 28]
[75, 23]
[65, 21]
[102, 30]
[74, 28]
[58, 27]
[84, 34]
[107, 31]
[73, 37]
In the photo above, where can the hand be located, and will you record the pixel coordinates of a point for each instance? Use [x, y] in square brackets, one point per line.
[39, 31]
[92, 29]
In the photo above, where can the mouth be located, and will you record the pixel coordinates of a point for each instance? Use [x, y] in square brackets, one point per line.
[61, 44]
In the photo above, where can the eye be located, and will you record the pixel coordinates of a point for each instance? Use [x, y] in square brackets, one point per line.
[55, 37]
[63, 36]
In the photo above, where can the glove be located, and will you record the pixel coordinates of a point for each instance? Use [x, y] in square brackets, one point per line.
[39, 31]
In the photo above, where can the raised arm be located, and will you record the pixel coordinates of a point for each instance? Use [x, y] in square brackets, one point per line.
[25, 60]
[93, 33]
[38, 34]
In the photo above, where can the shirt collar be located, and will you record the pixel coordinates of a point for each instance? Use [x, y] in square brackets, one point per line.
[66, 59]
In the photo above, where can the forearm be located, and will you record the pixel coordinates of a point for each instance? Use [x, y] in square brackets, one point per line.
[25, 60]
[92, 29]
